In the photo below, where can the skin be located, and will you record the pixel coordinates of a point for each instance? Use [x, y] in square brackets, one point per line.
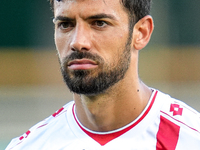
[106, 36]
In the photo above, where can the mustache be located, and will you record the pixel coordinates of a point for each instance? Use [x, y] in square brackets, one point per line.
[81, 55]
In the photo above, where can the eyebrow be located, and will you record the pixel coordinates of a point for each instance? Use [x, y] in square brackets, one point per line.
[102, 16]
[98, 16]
[62, 18]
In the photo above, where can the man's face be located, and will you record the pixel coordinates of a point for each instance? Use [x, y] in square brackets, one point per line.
[93, 42]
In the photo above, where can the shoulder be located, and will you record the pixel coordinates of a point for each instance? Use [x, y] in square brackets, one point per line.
[180, 114]
[179, 124]
[179, 111]
[42, 127]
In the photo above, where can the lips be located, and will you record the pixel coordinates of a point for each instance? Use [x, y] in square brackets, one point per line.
[82, 64]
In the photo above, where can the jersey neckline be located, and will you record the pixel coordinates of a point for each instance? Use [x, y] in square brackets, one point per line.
[104, 137]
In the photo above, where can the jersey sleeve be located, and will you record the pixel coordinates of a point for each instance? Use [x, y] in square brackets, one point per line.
[13, 145]
[181, 123]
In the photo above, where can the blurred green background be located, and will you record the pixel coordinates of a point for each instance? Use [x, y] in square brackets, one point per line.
[31, 86]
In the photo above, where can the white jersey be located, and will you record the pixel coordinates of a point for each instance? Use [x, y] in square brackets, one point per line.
[165, 124]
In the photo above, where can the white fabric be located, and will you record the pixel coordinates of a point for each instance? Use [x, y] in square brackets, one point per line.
[61, 131]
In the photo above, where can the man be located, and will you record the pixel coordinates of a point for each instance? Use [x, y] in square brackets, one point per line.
[98, 42]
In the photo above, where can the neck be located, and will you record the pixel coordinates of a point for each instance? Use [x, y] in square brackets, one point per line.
[113, 109]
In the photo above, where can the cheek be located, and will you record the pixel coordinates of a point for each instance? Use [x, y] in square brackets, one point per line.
[61, 45]
[112, 46]
[58, 40]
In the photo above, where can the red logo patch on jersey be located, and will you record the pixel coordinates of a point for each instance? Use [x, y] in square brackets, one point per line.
[175, 108]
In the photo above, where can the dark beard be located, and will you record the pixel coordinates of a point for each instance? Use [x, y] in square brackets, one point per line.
[84, 82]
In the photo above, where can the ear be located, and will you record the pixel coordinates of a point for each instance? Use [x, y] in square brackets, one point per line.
[142, 32]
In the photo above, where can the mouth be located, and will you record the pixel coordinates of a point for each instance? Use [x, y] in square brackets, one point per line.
[82, 64]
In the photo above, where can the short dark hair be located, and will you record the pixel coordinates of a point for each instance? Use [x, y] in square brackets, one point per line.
[136, 9]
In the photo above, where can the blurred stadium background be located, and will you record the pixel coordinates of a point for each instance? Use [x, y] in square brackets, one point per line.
[31, 86]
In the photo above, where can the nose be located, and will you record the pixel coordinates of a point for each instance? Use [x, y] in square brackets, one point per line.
[80, 39]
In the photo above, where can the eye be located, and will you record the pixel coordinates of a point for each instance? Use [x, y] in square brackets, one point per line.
[100, 23]
[65, 25]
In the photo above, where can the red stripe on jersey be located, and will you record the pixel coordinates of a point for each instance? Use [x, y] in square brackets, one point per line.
[42, 125]
[167, 136]
[58, 112]
[103, 139]
[180, 122]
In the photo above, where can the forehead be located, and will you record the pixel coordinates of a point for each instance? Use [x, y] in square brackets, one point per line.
[87, 7]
